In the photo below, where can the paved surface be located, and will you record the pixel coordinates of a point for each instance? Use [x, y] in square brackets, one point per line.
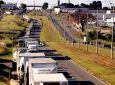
[75, 74]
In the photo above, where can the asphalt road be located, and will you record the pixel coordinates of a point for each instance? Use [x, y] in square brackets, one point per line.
[74, 73]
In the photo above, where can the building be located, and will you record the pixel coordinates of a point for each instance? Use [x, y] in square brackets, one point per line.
[57, 10]
[110, 20]
[9, 6]
[73, 10]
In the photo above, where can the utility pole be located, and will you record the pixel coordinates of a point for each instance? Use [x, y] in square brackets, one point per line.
[79, 37]
[97, 35]
[112, 33]
[34, 5]
[87, 34]
[58, 2]
[68, 1]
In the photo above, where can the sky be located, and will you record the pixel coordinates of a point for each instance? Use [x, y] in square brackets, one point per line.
[54, 2]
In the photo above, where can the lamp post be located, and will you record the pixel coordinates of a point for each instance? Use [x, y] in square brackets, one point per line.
[112, 32]
[97, 35]
[79, 37]
[87, 34]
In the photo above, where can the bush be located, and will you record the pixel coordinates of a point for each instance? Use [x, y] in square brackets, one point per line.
[8, 42]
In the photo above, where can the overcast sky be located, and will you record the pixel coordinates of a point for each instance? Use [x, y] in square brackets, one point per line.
[54, 2]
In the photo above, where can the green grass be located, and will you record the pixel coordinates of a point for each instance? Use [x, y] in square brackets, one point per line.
[9, 23]
[99, 66]
[12, 22]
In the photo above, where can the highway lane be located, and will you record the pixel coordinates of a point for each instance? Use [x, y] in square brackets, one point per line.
[74, 73]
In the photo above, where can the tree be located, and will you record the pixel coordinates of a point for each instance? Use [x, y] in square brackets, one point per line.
[77, 6]
[84, 5]
[45, 5]
[23, 6]
[96, 5]
[70, 5]
[67, 5]
[1, 2]
[81, 18]
[99, 5]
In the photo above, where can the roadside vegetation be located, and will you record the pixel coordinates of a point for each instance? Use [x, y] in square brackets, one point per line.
[100, 66]
[104, 33]
[11, 27]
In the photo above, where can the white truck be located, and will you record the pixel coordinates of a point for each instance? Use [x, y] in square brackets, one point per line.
[48, 79]
[43, 71]
[22, 58]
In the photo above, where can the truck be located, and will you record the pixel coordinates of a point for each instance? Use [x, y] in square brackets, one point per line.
[43, 71]
[22, 58]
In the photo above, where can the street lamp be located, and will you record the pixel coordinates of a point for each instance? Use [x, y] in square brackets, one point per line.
[112, 33]
[97, 35]
[87, 34]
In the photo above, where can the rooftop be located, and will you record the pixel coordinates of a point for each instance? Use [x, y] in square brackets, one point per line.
[59, 77]
[27, 54]
[42, 60]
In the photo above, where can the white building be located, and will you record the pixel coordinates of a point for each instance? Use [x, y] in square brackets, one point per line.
[57, 10]
[110, 20]
[9, 6]
[8, 12]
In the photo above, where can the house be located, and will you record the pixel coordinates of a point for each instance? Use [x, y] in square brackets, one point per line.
[9, 6]
[8, 12]
[110, 19]
[73, 10]
[57, 10]
[100, 17]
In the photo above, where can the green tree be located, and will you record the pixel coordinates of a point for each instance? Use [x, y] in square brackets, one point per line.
[45, 5]
[1, 2]
[96, 5]
[23, 6]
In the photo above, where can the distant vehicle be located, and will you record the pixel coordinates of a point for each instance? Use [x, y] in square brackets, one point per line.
[33, 48]
[107, 46]
[42, 44]
[21, 43]
[86, 40]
